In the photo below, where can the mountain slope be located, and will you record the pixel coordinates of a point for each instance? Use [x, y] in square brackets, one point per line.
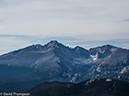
[103, 51]
[57, 62]
[92, 87]
[114, 64]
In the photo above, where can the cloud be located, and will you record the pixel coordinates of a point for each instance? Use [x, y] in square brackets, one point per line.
[11, 43]
[126, 20]
[80, 20]
[63, 18]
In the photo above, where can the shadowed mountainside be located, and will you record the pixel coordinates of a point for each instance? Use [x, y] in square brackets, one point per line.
[92, 87]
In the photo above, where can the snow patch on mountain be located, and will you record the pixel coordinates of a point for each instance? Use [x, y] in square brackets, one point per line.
[113, 49]
[38, 46]
[101, 51]
[75, 77]
[89, 81]
[94, 57]
[108, 80]
[124, 70]
[98, 69]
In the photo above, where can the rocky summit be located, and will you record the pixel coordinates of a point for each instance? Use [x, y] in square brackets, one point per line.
[27, 67]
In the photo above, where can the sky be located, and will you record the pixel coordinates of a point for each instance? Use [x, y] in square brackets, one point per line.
[85, 23]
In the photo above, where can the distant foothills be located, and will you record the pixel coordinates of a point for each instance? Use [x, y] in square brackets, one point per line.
[30, 66]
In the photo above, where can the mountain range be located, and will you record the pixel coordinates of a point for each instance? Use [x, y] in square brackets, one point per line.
[27, 67]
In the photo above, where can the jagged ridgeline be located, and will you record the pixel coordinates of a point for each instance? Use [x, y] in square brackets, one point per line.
[27, 67]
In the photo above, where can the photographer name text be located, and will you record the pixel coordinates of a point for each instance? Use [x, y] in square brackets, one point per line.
[13, 94]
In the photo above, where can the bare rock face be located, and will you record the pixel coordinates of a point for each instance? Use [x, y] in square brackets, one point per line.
[57, 62]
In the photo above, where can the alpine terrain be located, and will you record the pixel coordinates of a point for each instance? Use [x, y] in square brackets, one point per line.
[27, 67]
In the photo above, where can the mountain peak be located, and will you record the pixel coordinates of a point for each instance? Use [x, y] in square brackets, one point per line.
[77, 48]
[53, 43]
[108, 45]
[37, 46]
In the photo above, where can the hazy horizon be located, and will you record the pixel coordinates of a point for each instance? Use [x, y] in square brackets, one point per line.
[88, 24]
